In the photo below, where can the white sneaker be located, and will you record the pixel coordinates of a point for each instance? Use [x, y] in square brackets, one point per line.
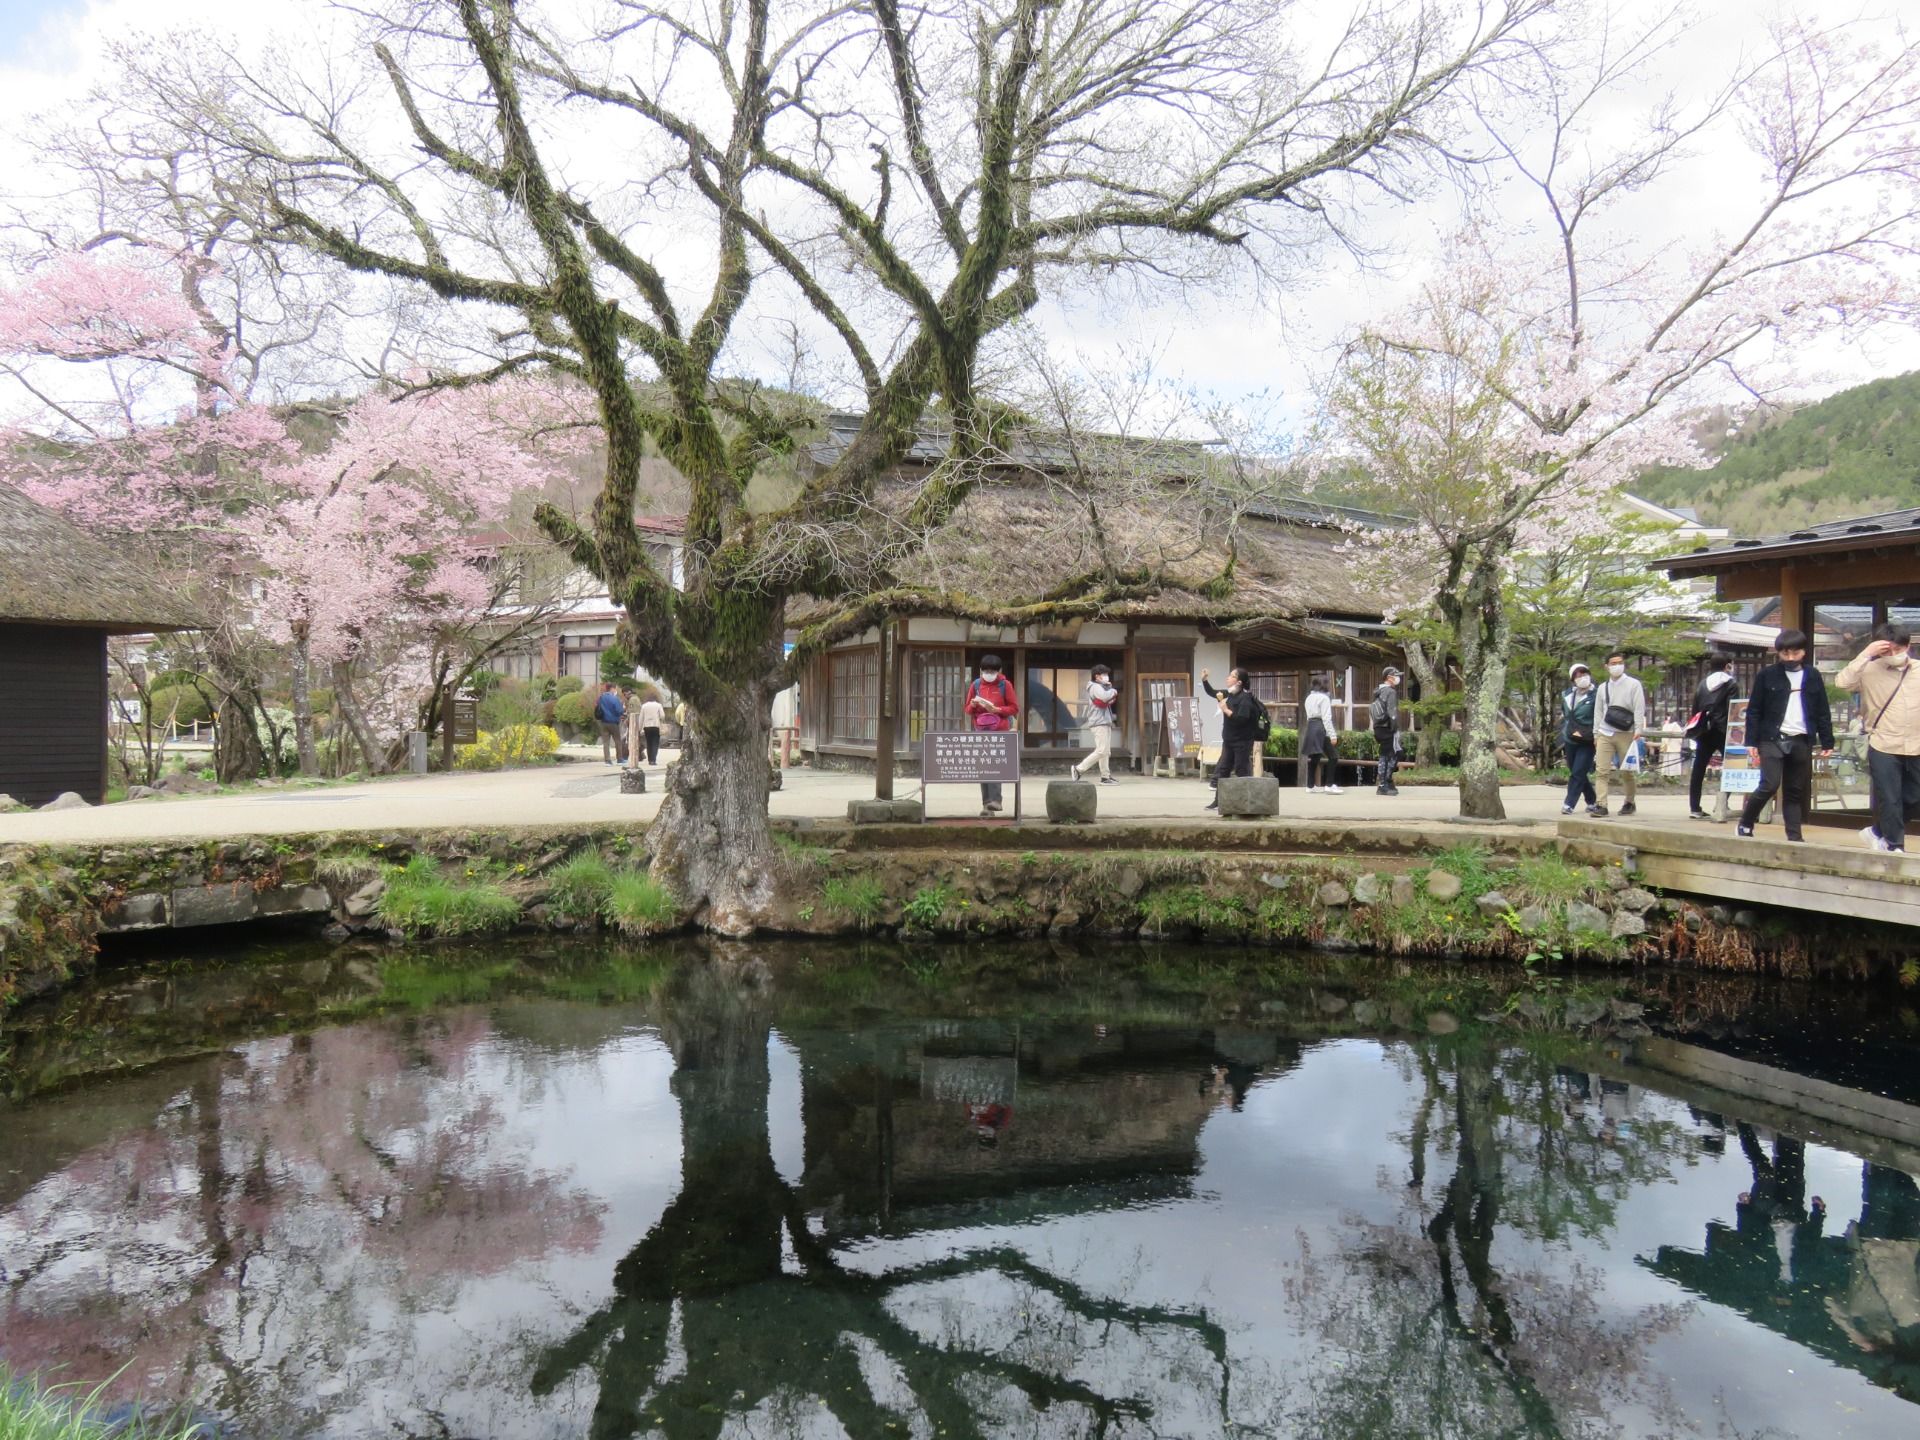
[1313, 789]
[1872, 839]
[1331, 790]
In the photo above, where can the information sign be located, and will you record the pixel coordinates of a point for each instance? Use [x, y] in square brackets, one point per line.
[1179, 725]
[466, 720]
[969, 757]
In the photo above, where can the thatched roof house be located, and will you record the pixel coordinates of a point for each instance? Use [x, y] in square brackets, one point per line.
[1268, 585]
[62, 592]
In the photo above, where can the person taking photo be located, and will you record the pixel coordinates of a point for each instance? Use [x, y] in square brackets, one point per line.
[1890, 704]
[1239, 720]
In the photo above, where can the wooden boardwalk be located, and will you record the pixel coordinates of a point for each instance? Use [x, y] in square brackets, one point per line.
[1831, 874]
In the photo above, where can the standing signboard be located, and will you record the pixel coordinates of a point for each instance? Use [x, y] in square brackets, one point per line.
[1180, 725]
[971, 757]
[459, 723]
[1739, 769]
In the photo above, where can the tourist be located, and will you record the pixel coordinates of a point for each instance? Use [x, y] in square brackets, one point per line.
[1576, 736]
[1103, 697]
[609, 712]
[1892, 709]
[652, 713]
[992, 705]
[1788, 710]
[1239, 722]
[1386, 728]
[1316, 742]
[1708, 727]
[1619, 716]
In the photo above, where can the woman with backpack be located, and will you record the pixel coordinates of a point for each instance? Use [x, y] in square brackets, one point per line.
[1240, 716]
[1576, 735]
[1708, 727]
[991, 705]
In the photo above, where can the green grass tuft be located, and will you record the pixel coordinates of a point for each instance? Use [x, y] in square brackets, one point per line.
[637, 904]
[420, 899]
[924, 910]
[348, 867]
[66, 1412]
[860, 899]
[579, 888]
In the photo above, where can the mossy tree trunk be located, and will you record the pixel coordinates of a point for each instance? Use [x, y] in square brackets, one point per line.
[1477, 610]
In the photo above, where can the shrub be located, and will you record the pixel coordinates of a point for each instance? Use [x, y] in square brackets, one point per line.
[478, 756]
[1283, 743]
[574, 707]
[421, 899]
[1450, 747]
[636, 903]
[524, 744]
[568, 685]
[924, 910]
[616, 665]
[193, 706]
[860, 899]
[511, 703]
[1358, 745]
[579, 889]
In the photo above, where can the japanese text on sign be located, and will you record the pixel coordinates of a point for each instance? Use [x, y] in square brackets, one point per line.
[961, 757]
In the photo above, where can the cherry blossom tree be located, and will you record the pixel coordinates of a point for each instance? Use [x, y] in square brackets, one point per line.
[1552, 360]
[612, 185]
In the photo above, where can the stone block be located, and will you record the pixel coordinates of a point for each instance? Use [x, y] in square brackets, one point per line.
[1493, 904]
[1590, 919]
[227, 904]
[1442, 1023]
[136, 912]
[1584, 1010]
[294, 900]
[1330, 1004]
[1333, 895]
[1637, 900]
[1402, 890]
[1534, 919]
[1626, 925]
[1367, 1012]
[1072, 802]
[364, 901]
[1443, 884]
[1366, 890]
[633, 781]
[8, 803]
[66, 800]
[884, 812]
[1249, 796]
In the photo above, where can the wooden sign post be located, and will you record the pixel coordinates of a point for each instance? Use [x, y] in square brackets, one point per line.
[971, 757]
[459, 724]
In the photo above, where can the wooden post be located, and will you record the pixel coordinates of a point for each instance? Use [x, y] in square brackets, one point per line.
[883, 724]
[446, 729]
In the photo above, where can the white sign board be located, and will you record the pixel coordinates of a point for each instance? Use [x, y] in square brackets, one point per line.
[1739, 781]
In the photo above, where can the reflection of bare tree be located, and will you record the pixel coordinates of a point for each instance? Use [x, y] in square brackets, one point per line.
[733, 1303]
[1440, 1337]
[284, 1212]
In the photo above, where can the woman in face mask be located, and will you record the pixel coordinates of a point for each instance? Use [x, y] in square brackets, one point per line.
[1576, 735]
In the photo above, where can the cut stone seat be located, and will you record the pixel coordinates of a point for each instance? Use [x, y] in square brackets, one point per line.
[1249, 796]
[885, 812]
[1072, 802]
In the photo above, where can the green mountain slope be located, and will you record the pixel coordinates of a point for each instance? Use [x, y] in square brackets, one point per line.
[1853, 453]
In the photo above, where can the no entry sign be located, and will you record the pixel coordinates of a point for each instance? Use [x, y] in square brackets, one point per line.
[971, 757]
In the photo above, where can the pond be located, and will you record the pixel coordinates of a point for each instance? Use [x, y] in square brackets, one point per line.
[581, 1190]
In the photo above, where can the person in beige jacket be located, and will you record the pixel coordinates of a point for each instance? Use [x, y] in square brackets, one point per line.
[1890, 706]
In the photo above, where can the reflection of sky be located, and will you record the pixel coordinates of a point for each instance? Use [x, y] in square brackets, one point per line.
[583, 1094]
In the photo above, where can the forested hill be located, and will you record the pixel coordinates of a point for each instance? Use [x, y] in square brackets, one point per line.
[1853, 453]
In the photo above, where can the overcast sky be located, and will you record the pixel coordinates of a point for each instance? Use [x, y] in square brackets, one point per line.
[1232, 344]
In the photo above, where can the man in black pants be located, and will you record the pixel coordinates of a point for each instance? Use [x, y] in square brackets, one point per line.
[1710, 701]
[1238, 713]
[1386, 729]
[1787, 712]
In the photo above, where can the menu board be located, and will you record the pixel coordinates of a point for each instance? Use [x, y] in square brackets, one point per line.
[1736, 728]
[1179, 725]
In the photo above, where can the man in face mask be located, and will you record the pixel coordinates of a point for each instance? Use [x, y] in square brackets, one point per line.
[1890, 706]
[1787, 712]
[1619, 717]
[991, 705]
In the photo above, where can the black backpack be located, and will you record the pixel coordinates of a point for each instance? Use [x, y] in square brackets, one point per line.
[1262, 721]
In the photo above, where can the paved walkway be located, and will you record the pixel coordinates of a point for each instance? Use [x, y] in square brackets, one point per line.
[588, 791]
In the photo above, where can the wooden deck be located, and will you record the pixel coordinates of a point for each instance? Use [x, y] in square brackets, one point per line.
[1828, 874]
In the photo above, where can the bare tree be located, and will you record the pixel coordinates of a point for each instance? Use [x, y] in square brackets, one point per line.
[911, 179]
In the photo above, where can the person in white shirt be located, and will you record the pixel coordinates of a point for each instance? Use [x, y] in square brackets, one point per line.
[652, 713]
[1316, 743]
[1102, 696]
[1619, 717]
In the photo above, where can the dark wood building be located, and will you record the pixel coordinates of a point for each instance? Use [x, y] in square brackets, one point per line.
[62, 593]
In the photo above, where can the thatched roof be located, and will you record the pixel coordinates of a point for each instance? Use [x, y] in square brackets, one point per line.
[1015, 539]
[53, 573]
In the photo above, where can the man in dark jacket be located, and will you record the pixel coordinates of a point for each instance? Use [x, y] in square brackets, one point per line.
[1386, 728]
[1787, 713]
[1708, 730]
[1239, 719]
[610, 712]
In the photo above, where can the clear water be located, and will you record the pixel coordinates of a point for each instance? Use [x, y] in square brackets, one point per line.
[600, 1193]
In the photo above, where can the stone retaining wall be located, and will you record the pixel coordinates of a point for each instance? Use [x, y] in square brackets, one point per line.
[1381, 890]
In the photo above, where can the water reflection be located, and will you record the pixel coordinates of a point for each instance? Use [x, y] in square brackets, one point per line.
[543, 1216]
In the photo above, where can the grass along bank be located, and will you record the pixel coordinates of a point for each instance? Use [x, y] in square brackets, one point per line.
[29, 1411]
